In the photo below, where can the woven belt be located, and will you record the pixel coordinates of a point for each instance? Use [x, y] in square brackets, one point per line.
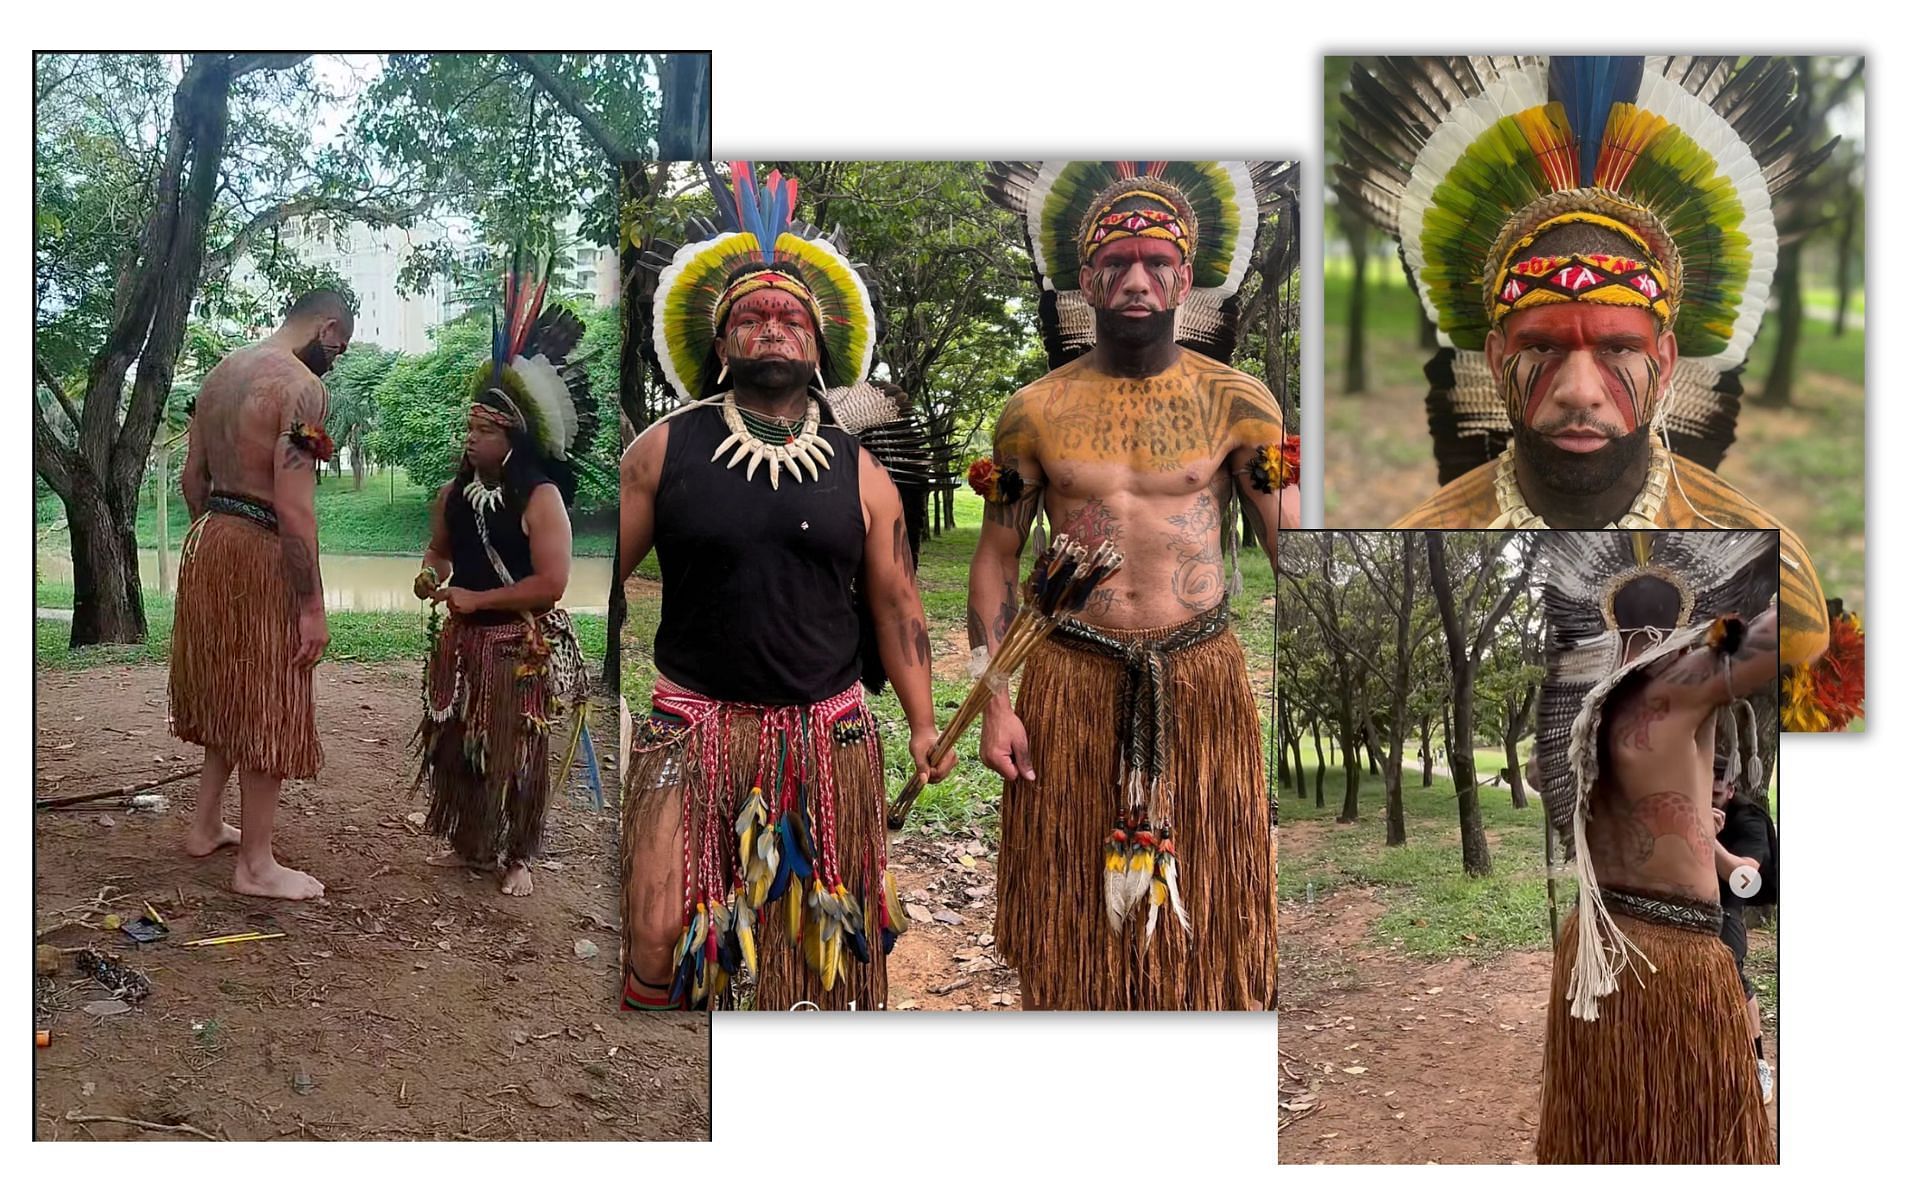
[1144, 718]
[258, 511]
[1698, 916]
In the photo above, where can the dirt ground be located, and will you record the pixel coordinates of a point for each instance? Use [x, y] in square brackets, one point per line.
[411, 1002]
[947, 960]
[1390, 1058]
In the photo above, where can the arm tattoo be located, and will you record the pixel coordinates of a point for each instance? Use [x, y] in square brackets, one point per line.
[1009, 609]
[902, 549]
[299, 564]
[914, 646]
[976, 627]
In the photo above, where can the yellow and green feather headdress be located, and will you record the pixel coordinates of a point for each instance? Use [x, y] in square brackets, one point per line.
[1210, 210]
[1463, 159]
[755, 242]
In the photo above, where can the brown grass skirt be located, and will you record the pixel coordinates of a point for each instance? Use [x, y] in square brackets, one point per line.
[483, 741]
[231, 683]
[1666, 1075]
[1052, 923]
[785, 980]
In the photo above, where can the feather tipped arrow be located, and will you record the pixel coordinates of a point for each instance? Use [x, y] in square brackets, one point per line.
[1064, 577]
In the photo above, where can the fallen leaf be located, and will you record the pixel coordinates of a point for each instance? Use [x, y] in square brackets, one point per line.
[585, 949]
[920, 912]
[947, 916]
[966, 860]
[417, 820]
[1353, 1070]
[1435, 991]
[107, 1008]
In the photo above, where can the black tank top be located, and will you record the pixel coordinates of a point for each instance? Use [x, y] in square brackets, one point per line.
[756, 585]
[472, 569]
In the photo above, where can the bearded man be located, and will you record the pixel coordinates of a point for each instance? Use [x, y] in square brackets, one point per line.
[754, 833]
[1140, 442]
[1593, 238]
[250, 618]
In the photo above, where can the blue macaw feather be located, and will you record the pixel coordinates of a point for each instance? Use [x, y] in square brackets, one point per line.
[1587, 87]
[856, 940]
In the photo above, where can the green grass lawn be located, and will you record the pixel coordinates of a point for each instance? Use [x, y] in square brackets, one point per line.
[354, 636]
[387, 516]
[1433, 907]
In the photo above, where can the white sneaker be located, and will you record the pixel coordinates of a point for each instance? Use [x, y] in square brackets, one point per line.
[1765, 1070]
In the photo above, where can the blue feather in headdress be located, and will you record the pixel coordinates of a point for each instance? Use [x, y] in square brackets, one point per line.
[1587, 87]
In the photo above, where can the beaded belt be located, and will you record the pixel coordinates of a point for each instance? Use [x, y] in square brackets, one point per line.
[258, 511]
[1697, 915]
[1144, 718]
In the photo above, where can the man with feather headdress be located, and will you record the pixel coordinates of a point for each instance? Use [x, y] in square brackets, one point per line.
[1141, 437]
[1653, 641]
[1594, 238]
[754, 833]
[505, 666]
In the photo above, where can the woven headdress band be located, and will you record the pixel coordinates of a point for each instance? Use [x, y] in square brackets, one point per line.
[760, 281]
[504, 413]
[1529, 280]
[1166, 217]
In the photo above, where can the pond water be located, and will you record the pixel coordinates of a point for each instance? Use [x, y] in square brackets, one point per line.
[367, 582]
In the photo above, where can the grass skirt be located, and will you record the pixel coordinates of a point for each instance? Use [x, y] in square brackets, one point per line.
[231, 683]
[1052, 924]
[667, 768]
[1666, 1074]
[490, 704]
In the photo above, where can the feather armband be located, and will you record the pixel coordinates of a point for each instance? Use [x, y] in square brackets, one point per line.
[1276, 465]
[311, 439]
[994, 483]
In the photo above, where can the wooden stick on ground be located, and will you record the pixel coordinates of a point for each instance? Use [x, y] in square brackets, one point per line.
[80, 1118]
[110, 793]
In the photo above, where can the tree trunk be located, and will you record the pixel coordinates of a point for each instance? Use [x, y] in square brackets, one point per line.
[1356, 373]
[686, 89]
[1282, 777]
[358, 453]
[1843, 261]
[1319, 768]
[1299, 768]
[1370, 742]
[1516, 778]
[1475, 859]
[106, 572]
[1426, 750]
[1778, 392]
[1396, 804]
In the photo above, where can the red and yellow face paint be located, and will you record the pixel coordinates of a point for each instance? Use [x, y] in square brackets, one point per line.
[773, 320]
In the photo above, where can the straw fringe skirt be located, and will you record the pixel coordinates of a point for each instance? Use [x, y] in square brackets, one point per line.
[1052, 924]
[656, 776]
[231, 683]
[1666, 1074]
[484, 741]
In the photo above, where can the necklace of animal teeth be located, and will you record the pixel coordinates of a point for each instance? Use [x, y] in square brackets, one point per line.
[803, 448]
[483, 498]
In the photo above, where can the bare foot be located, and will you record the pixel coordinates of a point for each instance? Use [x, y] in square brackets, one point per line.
[276, 881]
[516, 880]
[200, 845]
[453, 858]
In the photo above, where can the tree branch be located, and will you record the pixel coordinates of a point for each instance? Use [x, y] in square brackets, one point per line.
[611, 146]
[59, 393]
[219, 261]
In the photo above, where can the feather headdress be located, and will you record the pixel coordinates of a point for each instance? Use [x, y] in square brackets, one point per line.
[1462, 158]
[1596, 587]
[753, 241]
[527, 378]
[1212, 210]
